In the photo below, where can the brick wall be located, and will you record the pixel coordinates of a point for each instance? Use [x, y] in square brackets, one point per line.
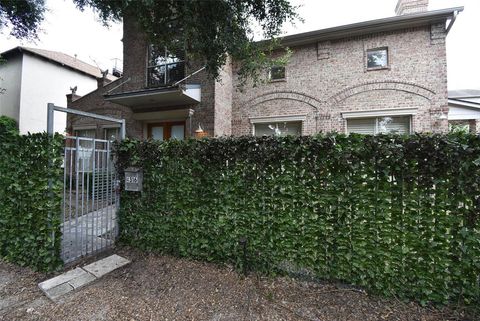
[325, 79]
[95, 103]
[223, 101]
[134, 79]
[411, 6]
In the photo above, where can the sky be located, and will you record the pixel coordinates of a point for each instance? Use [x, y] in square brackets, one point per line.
[68, 30]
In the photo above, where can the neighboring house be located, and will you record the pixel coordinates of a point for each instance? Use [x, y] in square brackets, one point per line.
[31, 78]
[386, 75]
[464, 110]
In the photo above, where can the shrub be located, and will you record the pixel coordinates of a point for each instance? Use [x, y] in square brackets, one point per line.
[9, 124]
[397, 215]
[29, 210]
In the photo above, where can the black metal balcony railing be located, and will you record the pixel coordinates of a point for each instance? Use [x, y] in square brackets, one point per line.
[165, 75]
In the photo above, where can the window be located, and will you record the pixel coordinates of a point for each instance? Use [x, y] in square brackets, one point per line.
[377, 58]
[277, 73]
[85, 133]
[167, 130]
[85, 149]
[164, 67]
[379, 125]
[111, 134]
[278, 128]
[459, 127]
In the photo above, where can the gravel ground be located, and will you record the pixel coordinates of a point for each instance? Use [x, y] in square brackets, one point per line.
[155, 287]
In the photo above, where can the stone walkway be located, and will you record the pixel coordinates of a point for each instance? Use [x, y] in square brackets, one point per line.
[89, 233]
[74, 279]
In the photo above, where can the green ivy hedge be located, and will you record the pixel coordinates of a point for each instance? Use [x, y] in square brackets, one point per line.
[29, 210]
[398, 215]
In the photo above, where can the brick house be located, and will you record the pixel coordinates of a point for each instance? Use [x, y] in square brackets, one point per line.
[464, 110]
[385, 75]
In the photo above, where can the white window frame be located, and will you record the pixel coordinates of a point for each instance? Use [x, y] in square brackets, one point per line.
[270, 79]
[278, 119]
[387, 66]
[409, 111]
[85, 153]
[105, 127]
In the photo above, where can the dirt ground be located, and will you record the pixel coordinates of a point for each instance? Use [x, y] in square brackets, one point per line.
[155, 287]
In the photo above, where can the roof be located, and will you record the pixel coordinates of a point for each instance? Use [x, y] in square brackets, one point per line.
[464, 97]
[373, 26]
[61, 59]
[464, 93]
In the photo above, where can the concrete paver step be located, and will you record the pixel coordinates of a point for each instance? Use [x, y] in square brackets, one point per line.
[58, 286]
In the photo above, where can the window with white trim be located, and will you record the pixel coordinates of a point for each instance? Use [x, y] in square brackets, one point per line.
[380, 125]
[277, 73]
[111, 133]
[283, 128]
[85, 149]
[377, 58]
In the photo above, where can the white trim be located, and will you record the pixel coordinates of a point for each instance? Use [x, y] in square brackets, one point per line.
[380, 112]
[275, 119]
[464, 104]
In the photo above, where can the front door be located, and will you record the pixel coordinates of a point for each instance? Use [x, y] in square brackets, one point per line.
[167, 130]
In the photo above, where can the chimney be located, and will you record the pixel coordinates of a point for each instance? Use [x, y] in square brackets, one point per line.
[71, 98]
[102, 81]
[405, 7]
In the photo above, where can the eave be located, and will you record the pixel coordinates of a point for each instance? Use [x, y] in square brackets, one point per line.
[157, 97]
[372, 26]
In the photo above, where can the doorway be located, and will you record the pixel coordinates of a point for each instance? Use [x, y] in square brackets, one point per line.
[166, 130]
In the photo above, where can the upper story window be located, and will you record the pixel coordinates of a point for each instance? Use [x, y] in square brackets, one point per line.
[277, 73]
[377, 58]
[164, 67]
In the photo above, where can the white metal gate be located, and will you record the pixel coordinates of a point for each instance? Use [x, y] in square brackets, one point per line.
[90, 191]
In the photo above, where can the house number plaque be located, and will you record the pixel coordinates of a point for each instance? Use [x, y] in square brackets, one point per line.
[133, 179]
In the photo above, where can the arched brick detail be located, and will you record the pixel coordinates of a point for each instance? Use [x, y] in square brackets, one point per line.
[317, 116]
[289, 95]
[381, 85]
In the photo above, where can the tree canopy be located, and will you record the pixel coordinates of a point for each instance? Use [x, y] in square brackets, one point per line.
[209, 30]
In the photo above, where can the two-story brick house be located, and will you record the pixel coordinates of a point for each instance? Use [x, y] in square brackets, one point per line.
[385, 75]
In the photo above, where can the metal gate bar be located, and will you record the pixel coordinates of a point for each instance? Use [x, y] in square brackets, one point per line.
[90, 194]
[90, 197]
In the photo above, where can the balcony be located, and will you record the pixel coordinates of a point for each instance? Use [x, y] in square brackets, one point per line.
[165, 87]
[165, 75]
[160, 98]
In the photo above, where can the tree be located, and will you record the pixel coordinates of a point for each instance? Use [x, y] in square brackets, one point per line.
[23, 16]
[208, 30]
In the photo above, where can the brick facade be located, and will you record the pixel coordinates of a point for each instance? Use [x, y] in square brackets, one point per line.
[324, 79]
[135, 79]
[327, 78]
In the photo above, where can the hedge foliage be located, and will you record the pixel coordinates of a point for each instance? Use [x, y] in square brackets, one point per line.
[398, 215]
[29, 211]
[9, 124]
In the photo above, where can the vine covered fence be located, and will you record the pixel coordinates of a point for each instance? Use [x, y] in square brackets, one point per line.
[30, 199]
[398, 215]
